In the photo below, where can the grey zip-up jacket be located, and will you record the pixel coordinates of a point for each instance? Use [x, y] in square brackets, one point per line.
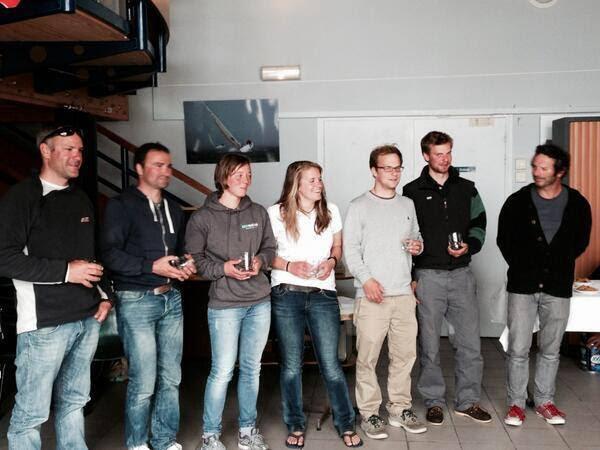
[216, 234]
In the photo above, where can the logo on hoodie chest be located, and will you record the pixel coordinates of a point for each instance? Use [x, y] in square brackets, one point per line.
[249, 226]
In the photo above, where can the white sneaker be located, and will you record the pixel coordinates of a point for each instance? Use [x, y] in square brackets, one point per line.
[374, 427]
[407, 420]
[140, 447]
[255, 441]
[175, 446]
[212, 442]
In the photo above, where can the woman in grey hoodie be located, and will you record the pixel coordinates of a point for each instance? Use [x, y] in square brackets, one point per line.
[231, 240]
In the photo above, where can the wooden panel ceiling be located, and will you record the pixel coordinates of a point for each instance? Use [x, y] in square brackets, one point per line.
[79, 26]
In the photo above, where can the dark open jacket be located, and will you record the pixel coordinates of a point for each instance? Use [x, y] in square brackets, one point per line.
[441, 210]
[132, 240]
[535, 265]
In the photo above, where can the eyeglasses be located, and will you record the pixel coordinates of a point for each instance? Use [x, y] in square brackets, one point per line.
[390, 169]
[65, 131]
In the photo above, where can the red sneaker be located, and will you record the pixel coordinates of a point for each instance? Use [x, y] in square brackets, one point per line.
[551, 413]
[515, 416]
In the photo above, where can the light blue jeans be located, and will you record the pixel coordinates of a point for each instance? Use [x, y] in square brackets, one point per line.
[246, 329]
[53, 362]
[151, 327]
[554, 315]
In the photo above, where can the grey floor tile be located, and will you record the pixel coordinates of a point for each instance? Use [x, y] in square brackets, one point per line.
[482, 434]
[534, 436]
[580, 438]
[544, 447]
[432, 446]
[487, 446]
[445, 435]
[577, 393]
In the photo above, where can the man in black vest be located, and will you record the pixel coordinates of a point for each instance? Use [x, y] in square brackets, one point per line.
[447, 205]
[542, 229]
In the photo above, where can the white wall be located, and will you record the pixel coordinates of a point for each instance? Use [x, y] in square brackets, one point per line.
[385, 57]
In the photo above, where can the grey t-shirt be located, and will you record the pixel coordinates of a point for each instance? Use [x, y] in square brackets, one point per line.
[550, 211]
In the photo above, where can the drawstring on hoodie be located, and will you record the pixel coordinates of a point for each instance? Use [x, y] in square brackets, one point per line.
[167, 213]
[169, 217]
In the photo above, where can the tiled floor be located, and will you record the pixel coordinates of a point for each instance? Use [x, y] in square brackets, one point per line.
[578, 394]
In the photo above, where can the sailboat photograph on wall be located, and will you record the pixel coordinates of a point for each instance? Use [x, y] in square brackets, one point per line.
[214, 128]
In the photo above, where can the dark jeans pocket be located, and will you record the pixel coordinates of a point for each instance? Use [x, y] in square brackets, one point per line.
[332, 295]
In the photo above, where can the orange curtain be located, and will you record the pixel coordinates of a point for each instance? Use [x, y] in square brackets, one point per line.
[584, 146]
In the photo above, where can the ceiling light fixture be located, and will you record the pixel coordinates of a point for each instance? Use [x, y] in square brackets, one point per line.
[279, 73]
[542, 3]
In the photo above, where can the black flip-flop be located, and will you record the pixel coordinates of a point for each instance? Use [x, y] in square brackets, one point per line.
[296, 436]
[350, 435]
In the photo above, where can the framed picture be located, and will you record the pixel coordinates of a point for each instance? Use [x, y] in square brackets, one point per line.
[214, 128]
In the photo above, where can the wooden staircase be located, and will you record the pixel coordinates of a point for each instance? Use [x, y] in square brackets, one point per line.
[84, 55]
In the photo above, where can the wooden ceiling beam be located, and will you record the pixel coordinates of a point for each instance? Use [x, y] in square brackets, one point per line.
[20, 89]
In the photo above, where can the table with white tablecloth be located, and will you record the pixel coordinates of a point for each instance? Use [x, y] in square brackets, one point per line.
[584, 315]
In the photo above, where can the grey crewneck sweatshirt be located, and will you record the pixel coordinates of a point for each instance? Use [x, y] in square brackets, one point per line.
[373, 233]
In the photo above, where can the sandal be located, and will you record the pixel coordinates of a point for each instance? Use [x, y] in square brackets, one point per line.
[297, 438]
[347, 438]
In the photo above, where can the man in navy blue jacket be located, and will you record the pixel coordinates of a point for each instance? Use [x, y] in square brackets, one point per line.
[142, 237]
[542, 229]
[46, 245]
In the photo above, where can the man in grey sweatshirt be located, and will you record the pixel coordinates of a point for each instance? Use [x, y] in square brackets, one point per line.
[381, 234]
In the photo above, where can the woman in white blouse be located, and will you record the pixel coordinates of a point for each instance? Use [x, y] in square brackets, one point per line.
[309, 243]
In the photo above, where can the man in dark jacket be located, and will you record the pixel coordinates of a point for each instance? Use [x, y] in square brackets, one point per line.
[141, 241]
[447, 205]
[542, 229]
[46, 247]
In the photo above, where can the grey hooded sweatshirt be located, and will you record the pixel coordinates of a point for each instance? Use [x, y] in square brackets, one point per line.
[216, 234]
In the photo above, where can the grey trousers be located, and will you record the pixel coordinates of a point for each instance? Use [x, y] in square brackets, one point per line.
[449, 294]
[554, 315]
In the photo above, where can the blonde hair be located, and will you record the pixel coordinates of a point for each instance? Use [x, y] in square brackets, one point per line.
[289, 200]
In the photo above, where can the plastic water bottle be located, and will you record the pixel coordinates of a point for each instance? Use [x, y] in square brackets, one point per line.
[589, 356]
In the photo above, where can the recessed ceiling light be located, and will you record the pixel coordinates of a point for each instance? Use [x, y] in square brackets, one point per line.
[542, 3]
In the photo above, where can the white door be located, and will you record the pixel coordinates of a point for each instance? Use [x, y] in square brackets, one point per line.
[347, 144]
[480, 150]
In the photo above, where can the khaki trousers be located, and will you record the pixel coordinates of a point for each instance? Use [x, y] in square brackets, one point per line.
[395, 318]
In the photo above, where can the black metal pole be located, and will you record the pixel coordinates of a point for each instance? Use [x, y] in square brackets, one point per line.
[124, 168]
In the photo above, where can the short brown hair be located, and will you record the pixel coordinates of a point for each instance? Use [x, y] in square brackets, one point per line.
[435, 138]
[387, 149]
[225, 167]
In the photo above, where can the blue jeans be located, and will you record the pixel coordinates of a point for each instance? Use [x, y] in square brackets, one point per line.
[450, 294]
[554, 315]
[320, 313]
[151, 327]
[246, 329]
[53, 362]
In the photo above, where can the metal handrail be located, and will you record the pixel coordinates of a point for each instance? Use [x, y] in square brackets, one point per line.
[126, 172]
[123, 143]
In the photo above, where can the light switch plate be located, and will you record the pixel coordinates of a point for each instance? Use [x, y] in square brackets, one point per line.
[521, 163]
[521, 176]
